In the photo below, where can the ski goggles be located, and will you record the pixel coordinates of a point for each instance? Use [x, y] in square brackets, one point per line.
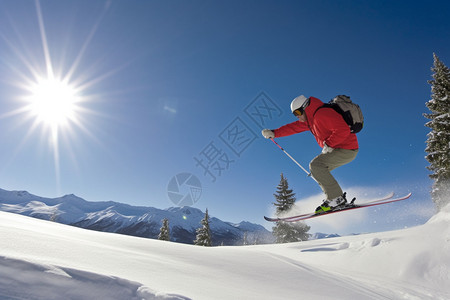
[300, 111]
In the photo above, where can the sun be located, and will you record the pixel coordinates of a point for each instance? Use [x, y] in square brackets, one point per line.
[52, 102]
[55, 98]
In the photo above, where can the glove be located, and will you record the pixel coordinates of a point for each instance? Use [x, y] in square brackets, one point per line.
[268, 134]
[326, 149]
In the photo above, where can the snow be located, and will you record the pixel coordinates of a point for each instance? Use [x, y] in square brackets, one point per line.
[119, 217]
[46, 260]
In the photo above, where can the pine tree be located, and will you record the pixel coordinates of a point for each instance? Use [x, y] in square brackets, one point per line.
[204, 233]
[285, 232]
[164, 233]
[438, 143]
[245, 242]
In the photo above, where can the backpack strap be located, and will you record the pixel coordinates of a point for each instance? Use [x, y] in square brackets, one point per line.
[325, 105]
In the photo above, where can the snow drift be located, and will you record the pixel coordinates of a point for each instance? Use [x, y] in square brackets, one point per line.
[45, 260]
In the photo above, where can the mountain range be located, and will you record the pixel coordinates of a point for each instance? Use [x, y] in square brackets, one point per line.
[141, 221]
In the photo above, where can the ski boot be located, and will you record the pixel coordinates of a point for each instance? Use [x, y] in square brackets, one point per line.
[333, 204]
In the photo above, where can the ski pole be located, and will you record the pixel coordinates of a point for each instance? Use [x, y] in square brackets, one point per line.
[309, 174]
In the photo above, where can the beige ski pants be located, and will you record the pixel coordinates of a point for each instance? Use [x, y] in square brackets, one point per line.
[323, 164]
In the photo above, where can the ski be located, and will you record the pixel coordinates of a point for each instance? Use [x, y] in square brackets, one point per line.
[387, 197]
[385, 200]
[369, 204]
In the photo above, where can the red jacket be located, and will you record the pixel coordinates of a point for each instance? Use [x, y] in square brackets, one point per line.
[326, 125]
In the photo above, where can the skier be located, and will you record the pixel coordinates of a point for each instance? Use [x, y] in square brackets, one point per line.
[339, 145]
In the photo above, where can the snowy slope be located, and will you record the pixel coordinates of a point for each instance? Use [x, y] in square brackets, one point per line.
[45, 260]
[131, 220]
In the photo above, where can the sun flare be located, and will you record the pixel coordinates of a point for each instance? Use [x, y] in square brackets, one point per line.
[52, 102]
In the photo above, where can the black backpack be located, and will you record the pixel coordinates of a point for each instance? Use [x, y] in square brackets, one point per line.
[351, 112]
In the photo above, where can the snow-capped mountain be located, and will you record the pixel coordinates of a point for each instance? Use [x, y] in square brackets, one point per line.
[131, 220]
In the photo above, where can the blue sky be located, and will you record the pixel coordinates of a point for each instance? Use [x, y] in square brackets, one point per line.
[165, 84]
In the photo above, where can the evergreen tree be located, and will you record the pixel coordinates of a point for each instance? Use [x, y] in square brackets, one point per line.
[245, 238]
[164, 233]
[204, 233]
[438, 143]
[286, 232]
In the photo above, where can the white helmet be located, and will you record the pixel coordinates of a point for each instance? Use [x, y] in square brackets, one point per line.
[299, 102]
